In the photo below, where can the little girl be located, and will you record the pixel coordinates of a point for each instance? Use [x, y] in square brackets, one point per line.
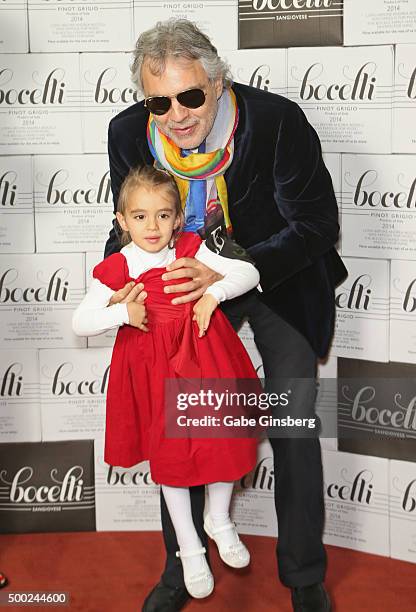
[158, 340]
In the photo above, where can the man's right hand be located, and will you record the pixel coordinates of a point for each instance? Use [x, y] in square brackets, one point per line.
[134, 296]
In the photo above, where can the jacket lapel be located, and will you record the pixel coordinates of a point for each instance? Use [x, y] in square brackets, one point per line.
[234, 171]
[145, 155]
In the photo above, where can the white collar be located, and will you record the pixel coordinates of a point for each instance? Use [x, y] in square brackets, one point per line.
[149, 256]
[139, 260]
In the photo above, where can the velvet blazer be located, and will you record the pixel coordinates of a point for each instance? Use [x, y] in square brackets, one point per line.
[281, 200]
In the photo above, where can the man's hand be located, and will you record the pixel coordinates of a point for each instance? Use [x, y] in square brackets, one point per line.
[203, 310]
[129, 293]
[137, 315]
[189, 267]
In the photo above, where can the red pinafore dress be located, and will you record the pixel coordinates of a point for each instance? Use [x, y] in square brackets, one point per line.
[171, 348]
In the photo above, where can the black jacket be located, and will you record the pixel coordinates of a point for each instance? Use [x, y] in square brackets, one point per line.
[281, 199]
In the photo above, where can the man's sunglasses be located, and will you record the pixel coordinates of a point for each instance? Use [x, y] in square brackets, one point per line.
[191, 98]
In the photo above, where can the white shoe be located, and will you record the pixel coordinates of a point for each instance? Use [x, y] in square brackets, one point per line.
[199, 584]
[234, 555]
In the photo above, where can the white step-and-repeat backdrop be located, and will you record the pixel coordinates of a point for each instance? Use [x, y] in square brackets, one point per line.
[64, 72]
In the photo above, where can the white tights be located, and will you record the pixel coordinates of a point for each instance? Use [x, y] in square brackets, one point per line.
[178, 501]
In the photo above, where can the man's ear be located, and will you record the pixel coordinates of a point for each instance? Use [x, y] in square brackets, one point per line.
[218, 86]
[121, 221]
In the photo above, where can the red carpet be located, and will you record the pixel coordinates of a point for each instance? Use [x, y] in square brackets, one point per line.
[106, 572]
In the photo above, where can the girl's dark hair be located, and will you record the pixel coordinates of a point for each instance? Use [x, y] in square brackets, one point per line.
[150, 178]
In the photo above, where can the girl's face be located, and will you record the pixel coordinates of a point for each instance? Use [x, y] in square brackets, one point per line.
[150, 218]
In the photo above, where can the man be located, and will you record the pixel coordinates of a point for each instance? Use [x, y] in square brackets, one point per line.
[275, 192]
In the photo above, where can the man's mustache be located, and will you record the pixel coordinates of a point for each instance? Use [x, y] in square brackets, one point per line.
[180, 126]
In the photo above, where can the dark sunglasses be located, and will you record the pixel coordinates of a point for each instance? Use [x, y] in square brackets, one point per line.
[191, 98]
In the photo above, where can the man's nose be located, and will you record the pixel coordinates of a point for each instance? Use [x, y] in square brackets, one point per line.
[178, 112]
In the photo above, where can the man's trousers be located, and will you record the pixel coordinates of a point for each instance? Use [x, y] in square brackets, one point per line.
[289, 362]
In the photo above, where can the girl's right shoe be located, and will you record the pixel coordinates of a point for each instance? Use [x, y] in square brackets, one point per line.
[201, 583]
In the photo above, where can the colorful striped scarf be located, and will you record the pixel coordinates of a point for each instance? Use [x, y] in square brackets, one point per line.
[208, 167]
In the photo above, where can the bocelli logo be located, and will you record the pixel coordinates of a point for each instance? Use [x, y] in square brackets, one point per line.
[409, 78]
[361, 85]
[363, 196]
[287, 5]
[129, 477]
[358, 297]
[56, 289]
[409, 302]
[259, 370]
[105, 94]
[261, 478]
[64, 384]
[51, 90]
[260, 77]
[411, 87]
[69, 489]
[8, 188]
[12, 381]
[409, 497]
[411, 90]
[363, 410]
[358, 490]
[97, 194]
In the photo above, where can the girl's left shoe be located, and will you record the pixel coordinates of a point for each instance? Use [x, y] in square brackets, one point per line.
[3, 580]
[235, 555]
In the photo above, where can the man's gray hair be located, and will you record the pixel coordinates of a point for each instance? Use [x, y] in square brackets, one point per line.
[177, 38]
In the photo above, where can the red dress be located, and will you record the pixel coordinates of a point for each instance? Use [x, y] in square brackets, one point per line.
[170, 349]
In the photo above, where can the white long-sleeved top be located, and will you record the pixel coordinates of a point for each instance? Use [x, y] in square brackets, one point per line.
[93, 316]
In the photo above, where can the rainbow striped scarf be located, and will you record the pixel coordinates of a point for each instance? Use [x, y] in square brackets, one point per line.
[210, 166]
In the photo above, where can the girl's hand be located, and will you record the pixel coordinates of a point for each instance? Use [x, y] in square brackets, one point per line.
[137, 315]
[203, 310]
[129, 293]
